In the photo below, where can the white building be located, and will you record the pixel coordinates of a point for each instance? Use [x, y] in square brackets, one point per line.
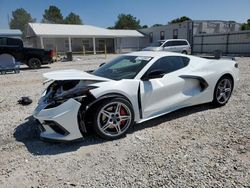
[187, 29]
[79, 38]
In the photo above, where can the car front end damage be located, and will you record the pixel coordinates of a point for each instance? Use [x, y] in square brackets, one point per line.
[61, 109]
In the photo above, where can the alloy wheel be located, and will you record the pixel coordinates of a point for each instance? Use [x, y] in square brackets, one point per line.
[114, 119]
[224, 90]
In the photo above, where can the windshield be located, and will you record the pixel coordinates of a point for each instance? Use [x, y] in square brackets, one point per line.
[123, 67]
[157, 44]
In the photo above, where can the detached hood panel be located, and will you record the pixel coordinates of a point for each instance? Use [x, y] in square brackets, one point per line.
[72, 74]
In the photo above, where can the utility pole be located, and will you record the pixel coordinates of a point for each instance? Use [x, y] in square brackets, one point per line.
[8, 17]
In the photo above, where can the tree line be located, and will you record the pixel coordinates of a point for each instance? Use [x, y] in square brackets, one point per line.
[20, 18]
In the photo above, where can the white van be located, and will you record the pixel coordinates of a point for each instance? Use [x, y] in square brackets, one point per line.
[171, 45]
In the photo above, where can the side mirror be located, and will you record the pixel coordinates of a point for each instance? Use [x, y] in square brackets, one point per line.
[154, 74]
[102, 64]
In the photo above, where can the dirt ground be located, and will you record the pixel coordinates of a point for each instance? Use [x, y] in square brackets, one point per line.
[198, 146]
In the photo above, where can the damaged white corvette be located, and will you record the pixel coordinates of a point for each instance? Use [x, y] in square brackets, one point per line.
[130, 89]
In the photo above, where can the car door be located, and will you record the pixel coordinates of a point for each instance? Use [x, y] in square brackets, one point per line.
[168, 46]
[181, 46]
[163, 94]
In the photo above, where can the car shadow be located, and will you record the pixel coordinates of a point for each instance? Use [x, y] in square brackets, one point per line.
[28, 133]
[171, 116]
[27, 68]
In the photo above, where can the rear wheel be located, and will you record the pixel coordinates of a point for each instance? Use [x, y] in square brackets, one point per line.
[34, 63]
[223, 91]
[113, 118]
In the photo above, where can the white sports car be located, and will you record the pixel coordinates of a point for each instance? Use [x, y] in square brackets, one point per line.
[130, 89]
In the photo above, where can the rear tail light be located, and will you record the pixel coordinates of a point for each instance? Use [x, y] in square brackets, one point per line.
[51, 53]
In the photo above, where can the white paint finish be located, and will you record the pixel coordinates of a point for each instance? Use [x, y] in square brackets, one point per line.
[158, 96]
[65, 115]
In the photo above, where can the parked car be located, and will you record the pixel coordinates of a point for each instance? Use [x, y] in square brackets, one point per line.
[32, 57]
[132, 88]
[171, 45]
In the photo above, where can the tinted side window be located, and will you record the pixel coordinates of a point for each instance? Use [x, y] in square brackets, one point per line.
[179, 43]
[169, 43]
[185, 60]
[169, 64]
[175, 43]
[3, 41]
[14, 42]
[182, 42]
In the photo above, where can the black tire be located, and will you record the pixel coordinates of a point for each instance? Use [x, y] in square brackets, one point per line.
[184, 52]
[223, 93]
[34, 63]
[109, 125]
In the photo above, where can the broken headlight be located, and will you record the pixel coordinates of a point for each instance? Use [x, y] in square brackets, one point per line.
[77, 93]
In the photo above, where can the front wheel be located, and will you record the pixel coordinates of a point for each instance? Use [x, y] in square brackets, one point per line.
[223, 91]
[113, 118]
[34, 63]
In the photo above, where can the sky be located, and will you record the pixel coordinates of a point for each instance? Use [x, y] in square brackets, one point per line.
[103, 13]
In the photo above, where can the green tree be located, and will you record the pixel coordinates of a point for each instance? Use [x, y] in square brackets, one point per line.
[157, 25]
[246, 26]
[181, 19]
[52, 15]
[110, 27]
[20, 19]
[127, 21]
[73, 18]
[144, 26]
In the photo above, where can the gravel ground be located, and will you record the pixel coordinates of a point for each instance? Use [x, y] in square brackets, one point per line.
[198, 146]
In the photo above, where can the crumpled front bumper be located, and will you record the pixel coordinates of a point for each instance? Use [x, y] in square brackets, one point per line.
[59, 123]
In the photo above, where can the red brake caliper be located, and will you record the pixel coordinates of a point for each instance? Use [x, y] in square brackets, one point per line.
[122, 113]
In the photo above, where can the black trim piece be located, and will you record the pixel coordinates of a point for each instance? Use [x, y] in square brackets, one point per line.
[139, 100]
[86, 102]
[203, 82]
[56, 127]
[60, 141]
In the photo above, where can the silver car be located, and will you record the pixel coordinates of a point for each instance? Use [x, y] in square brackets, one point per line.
[171, 45]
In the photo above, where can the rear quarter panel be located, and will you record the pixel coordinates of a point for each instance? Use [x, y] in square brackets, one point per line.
[213, 70]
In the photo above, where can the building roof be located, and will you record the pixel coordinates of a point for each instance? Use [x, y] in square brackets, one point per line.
[66, 30]
[10, 32]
